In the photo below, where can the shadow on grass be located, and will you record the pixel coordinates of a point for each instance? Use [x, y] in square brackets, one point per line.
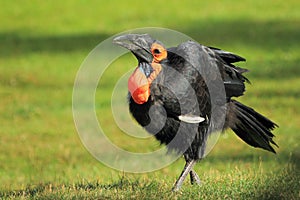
[14, 44]
[280, 35]
[87, 189]
[260, 35]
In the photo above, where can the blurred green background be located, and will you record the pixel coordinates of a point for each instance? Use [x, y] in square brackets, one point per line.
[42, 45]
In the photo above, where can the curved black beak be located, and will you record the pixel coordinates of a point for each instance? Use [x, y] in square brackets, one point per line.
[138, 44]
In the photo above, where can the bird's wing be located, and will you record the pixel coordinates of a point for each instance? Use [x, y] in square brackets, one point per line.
[232, 75]
[183, 90]
[173, 89]
[227, 56]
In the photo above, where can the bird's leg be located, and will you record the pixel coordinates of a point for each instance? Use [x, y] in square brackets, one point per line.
[193, 175]
[186, 170]
[194, 178]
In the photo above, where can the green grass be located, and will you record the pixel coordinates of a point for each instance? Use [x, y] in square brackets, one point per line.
[42, 45]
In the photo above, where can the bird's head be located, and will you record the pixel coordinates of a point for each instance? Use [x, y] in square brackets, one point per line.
[149, 53]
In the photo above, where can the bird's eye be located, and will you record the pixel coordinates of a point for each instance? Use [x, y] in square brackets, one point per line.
[159, 52]
[156, 51]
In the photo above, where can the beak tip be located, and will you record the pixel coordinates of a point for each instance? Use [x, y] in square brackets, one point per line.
[117, 40]
[123, 41]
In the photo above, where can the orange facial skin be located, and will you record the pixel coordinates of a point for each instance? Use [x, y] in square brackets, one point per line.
[159, 52]
[139, 87]
[138, 83]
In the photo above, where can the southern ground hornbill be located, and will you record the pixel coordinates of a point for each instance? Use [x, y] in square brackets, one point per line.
[182, 94]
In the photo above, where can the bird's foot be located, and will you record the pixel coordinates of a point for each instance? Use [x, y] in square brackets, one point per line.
[194, 178]
[186, 170]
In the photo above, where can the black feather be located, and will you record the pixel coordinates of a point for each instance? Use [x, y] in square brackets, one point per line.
[252, 127]
[228, 57]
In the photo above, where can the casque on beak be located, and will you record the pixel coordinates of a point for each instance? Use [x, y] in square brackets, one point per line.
[138, 44]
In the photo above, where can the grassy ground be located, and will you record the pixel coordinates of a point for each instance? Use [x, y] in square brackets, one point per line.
[42, 45]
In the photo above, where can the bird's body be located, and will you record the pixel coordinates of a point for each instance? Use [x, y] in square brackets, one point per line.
[184, 94]
[176, 90]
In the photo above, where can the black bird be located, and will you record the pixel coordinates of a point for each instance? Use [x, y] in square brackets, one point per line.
[183, 94]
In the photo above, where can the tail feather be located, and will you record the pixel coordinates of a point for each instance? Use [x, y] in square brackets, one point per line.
[251, 127]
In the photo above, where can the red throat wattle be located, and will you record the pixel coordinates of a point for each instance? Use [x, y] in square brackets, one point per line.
[139, 87]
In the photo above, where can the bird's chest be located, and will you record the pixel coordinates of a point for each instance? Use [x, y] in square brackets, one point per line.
[179, 92]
